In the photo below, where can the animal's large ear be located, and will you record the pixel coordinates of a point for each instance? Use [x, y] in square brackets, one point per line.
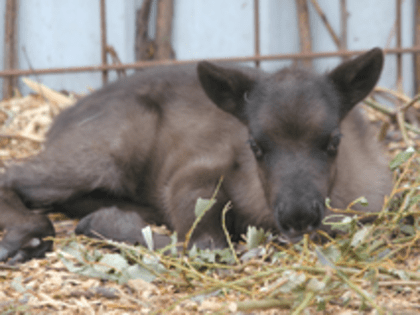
[225, 87]
[356, 78]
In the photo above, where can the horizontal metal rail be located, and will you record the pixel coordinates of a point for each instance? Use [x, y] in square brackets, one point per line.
[145, 64]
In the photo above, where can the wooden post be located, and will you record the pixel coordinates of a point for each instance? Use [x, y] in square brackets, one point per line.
[10, 60]
[163, 40]
[304, 30]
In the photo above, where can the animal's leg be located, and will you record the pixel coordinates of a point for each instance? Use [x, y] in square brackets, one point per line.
[123, 222]
[47, 180]
[209, 232]
[24, 230]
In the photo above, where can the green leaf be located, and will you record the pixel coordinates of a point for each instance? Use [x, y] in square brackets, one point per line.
[315, 285]
[359, 236]
[207, 255]
[339, 222]
[203, 205]
[401, 274]
[295, 280]
[193, 252]
[362, 201]
[401, 158]
[253, 253]
[174, 240]
[139, 272]
[76, 250]
[254, 237]
[148, 237]
[115, 261]
[321, 304]
[226, 256]
[323, 259]
[328, 202]
[332, 253]
[153, 263]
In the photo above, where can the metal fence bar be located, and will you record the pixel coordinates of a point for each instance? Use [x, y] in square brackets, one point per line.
[257, 31]
[103, 41]
[343, 25]
[10, 45]
[416, 57]
[145, 64]
[398, 43]
[304, 28]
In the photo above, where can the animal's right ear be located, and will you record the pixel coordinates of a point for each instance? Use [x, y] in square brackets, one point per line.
[225, 87]
[356, 78]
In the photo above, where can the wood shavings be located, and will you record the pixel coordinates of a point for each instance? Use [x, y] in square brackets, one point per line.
[56, 98]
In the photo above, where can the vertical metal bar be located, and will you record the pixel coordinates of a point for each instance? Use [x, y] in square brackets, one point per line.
[103, 41]
[10, 46]
[257, 31]
[398, 39]
[417, 44]
[344, 15]
[304, 30]
[400, 113]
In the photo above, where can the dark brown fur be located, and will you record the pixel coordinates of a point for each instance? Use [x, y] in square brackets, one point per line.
[145, 148]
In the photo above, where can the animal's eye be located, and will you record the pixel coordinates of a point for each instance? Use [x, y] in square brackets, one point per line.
[333, 143]
[255, 148]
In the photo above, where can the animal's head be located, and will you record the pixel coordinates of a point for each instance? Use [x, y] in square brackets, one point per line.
[294, 117]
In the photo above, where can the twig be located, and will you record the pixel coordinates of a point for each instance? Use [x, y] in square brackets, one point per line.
[53, 107]
[198, 219]
[403, 129]
[22, 137]
[389, 112]
[359, 291]
[232, 249]
[51, 96]
[309, 297]
[262, 305]
[410, 103]
[115, 60]
[401, 96]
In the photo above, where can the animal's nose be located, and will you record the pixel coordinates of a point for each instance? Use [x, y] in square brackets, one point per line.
[295, 220]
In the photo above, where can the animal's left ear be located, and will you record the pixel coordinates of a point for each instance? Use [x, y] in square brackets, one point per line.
[356, 78]
[225, 87]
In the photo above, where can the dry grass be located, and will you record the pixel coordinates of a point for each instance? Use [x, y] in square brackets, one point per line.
[372, 269]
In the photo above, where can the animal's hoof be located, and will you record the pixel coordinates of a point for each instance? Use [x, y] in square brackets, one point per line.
[36, 248]
[26, 241]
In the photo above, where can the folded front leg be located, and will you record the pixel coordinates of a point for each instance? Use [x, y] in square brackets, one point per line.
[24, 230]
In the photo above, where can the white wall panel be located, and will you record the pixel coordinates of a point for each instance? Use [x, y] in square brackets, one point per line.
[66, 33]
